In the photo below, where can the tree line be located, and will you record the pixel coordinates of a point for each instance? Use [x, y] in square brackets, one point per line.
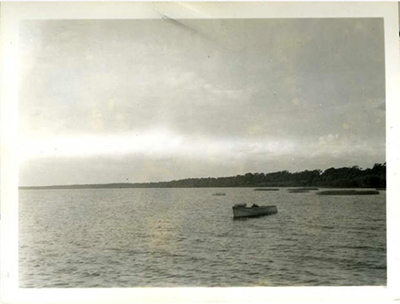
[345, 177]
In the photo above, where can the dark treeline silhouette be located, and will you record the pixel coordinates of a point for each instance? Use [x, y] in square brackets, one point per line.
[346, 177]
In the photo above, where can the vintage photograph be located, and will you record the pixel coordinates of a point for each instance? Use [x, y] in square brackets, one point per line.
[202, 152]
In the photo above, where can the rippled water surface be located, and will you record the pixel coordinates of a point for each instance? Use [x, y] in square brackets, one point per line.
[187, 237]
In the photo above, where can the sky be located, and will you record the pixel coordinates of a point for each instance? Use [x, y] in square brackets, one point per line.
[104, 101]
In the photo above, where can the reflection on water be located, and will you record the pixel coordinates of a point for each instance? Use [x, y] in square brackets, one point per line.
[187, 237]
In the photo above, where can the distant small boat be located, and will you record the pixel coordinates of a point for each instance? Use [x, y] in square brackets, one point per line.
[266, 189]
[241, 211]
[219, 194]
[348, 192]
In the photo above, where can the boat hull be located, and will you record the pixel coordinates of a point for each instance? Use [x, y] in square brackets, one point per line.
[243, 212]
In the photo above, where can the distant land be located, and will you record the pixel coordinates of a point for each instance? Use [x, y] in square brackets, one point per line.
[346, 177]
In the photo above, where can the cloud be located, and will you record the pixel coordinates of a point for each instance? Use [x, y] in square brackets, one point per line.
[241, 93]
[157, 143]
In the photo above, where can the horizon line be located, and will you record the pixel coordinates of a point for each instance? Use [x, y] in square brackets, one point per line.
[187, 178]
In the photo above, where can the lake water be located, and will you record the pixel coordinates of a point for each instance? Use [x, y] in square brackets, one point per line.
[187, 237]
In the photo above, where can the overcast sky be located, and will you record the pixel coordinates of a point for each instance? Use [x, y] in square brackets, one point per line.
[149, 100]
